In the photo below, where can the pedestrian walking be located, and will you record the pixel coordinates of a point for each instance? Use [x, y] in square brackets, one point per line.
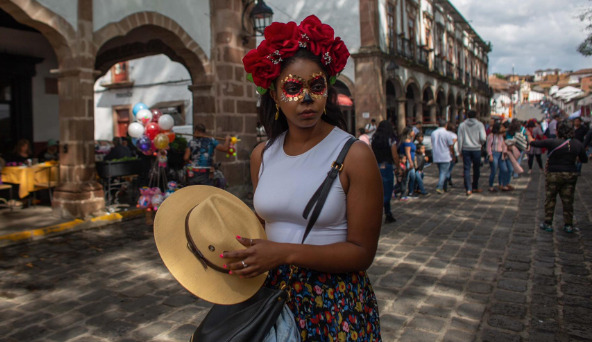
[496, 152]
[561, 174]
[370, 128]
[420, 162]
[471, 137]
[306, 131]
[362, 136]
[199, 155]
[442, 145]
[536, 133]
[408, 148]
[384, 147]
[451, 128]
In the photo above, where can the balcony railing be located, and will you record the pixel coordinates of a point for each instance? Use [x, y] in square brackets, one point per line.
[467, 79]
[439, 65]
[407, 53]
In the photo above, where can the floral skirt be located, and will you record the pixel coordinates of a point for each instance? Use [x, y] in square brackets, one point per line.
[330, 306]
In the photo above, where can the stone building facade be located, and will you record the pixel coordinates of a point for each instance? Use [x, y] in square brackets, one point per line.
[87, 37]
[419, 61]
[413, 60]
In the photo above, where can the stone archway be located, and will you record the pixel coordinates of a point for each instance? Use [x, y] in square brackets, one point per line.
[395, 107]
[346, 104]
[440, 104]
[428, 104]
[450, 113]
[459, 108]
[413, 107]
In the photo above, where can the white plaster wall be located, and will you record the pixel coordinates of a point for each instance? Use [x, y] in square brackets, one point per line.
[67, 9]
[45, 106]
[342, 15]
[143, 71]
[192, 15]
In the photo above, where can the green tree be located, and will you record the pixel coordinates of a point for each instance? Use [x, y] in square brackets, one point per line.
[585, 48]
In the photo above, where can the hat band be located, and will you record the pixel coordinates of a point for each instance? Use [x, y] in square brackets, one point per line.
[195, 251]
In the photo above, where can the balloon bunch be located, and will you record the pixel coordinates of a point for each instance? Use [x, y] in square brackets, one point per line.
[232, 148]
[151, 132]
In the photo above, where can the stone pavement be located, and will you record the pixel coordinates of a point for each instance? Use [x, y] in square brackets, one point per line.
[451, 268]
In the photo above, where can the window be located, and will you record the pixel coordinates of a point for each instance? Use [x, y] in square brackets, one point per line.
[119, 72]
[176, 109]
[390, 17]
[122, 116]
[411, 25]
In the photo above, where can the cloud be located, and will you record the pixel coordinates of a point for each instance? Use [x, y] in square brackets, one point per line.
[529, 34]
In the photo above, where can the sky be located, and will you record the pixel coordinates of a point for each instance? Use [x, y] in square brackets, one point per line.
[529, 34]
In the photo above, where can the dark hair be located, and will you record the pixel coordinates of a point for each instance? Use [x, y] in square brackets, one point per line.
[267, 109]
[495, 129]
[383, 134]
[514, 127]
[472, 114]
[565, 130]
[20, 144]
[199, 128]
[362, 130]
[506, 124]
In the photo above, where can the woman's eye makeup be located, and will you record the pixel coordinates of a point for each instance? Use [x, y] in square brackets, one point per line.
[293, 87]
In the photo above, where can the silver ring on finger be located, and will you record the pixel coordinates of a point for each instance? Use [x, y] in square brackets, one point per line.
[244, 264]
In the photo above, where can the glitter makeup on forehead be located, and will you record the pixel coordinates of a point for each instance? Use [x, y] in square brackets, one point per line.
[293, 87]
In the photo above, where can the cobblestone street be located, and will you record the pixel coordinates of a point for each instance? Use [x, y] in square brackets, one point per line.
[452, 268]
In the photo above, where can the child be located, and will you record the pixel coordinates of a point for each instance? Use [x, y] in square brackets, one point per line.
[420, 160]
[401, 176]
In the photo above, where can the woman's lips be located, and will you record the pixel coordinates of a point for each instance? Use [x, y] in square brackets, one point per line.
[307, 113]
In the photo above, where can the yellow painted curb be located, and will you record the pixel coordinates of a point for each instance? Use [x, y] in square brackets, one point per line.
[33, 233]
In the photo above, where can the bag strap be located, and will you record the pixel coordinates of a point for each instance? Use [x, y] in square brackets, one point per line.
[318, 199]
[558, 147]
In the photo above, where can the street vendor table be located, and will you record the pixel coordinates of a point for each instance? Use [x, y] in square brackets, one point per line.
[27, 177]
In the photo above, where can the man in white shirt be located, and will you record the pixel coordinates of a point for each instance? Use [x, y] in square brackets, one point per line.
[442, 143]
[370, 128]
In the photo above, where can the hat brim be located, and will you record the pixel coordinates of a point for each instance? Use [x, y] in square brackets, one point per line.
[171, 242]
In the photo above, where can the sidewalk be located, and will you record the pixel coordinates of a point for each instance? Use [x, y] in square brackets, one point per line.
[452, 268]
[37, 222]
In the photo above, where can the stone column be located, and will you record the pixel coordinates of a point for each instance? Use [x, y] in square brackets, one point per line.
[433, 109]
[401, 102]
[370, 92]
[418, 111]
[230, 100]
[78, 194]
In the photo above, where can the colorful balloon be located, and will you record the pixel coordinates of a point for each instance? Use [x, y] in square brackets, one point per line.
[135, 130]
[166, 122]
[152, 129]
[161, 141]
[156, 114]
[144, 116]
[144, 143]
[170, 135]
[138, 107]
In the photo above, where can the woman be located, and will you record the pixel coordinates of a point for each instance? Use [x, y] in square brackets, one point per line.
[450, 127]
[331, 296]
[384, 147]
[408, 148]
[536, 133]
[496, 150]
[561, 173]
[21, 152]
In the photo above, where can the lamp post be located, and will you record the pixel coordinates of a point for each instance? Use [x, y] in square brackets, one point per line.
[260, 16]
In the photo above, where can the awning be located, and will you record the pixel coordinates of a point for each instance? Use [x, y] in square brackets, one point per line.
[344, 100]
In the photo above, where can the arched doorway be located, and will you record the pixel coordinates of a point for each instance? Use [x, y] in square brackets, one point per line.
[428, 105]
[440, 104]
[459, 108]
[395, 112]
[345, 102]
[412, 107]
[450, 113]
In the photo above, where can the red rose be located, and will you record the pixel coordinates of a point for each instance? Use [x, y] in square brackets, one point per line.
[280, 37]
[318, 36]
[261, 68]
[335, 57]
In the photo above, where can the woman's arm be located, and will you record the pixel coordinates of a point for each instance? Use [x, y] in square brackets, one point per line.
[187, 155]
[489, 144]
[362, 184]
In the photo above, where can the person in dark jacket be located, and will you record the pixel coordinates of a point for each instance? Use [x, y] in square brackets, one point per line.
[118, 151]
[561, 173]
[580, 130]
[384, 147]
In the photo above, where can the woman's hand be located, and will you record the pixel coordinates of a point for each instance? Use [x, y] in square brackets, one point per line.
[491, 158]
[259, 257]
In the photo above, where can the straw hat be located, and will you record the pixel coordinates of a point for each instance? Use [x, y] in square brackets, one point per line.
[213, 218]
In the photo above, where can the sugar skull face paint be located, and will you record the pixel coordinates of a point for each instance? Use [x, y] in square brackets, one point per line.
[294, 87]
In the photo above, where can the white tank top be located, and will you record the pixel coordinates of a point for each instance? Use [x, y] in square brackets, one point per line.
[286, 184]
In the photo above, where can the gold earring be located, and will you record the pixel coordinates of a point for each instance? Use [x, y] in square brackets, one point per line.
[277, 111]
[325, 111]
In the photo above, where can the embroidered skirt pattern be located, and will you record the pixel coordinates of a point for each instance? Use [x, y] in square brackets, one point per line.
[330, 306]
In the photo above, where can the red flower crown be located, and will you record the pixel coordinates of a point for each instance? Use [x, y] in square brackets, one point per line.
[283, 40]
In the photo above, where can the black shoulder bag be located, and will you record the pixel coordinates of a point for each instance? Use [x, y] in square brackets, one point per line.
[253, 319]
